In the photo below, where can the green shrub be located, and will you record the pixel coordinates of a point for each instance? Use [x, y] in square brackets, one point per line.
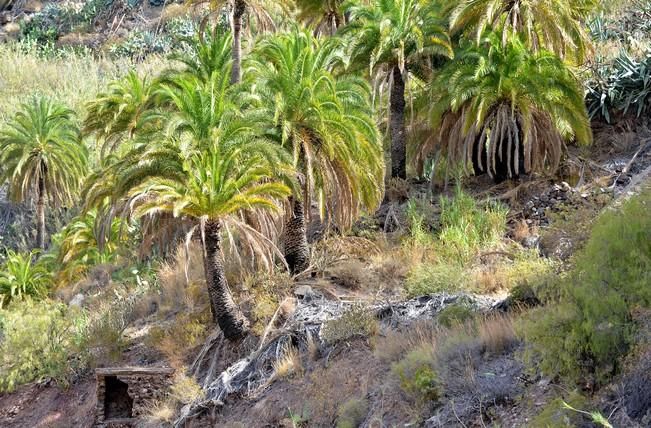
[352, 413]
[21, 277]
[40, 340]
[584, 335]
[356, 321]
[554, 414]
[429, 278]
[417, 375]
[454, 315]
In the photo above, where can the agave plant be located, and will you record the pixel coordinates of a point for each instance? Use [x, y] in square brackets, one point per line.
[622, 86]
[505, 110]
[21, 277]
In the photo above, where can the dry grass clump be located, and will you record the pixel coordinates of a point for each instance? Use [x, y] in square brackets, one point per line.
[351, 274]
[497, 334]
[178, 339]
[395, 343]
[185, 389]
[288, 364]
[159, 413]
[181, 280]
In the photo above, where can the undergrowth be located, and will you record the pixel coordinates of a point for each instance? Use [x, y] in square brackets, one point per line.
[583, 335]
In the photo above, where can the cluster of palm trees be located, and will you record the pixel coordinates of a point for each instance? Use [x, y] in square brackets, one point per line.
[225, 143]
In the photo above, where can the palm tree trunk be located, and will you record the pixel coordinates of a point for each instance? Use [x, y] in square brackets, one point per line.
[224, 310]
[40, 213]
[297, 252]
[397, 125]
[239, 7]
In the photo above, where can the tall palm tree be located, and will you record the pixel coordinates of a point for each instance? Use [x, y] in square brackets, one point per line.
[209, 168]
[204, 56]
[392, 38]
[555, 25]
[260, 11]
[41, 153]
[506, 110]
[326, 122]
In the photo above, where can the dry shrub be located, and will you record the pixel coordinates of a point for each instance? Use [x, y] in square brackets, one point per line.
[289, 363]
[185, 389]
[396, 343]
[182, 283]
[178, 339]
[397, 190]
[264, 294]
[332, 250]
[391, 269]
[522, 231]
[351, 274]
[159, 413]
[497, 334]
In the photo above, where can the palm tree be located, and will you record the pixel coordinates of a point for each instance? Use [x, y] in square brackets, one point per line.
[326, 122]
[326, 16]
[555, 25]
[41, 153]
[123, 112]
[506, 110]
[262, 12]
[392, 38]
[210, 168]
[205, 56]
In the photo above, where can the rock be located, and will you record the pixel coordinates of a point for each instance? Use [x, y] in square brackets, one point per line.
[306, 294]
[532, 241]
[77, 300]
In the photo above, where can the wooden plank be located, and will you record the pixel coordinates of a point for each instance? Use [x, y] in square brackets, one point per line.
[133, 371]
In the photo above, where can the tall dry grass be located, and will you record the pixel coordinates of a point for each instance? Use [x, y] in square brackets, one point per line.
[67, 76]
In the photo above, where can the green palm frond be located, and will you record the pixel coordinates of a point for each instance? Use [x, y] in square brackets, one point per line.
[555, 25]
[324, 120]
[405, 33]
[122, 112]
[42, 142]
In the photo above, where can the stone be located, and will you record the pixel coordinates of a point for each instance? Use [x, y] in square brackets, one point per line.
[77, 300]
[306, 294]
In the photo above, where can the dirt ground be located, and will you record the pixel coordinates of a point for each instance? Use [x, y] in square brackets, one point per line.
[48, 405]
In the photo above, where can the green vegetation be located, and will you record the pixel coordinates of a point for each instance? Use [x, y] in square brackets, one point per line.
[585, 334]
[174, 171]
[40, 339]
[21, 277]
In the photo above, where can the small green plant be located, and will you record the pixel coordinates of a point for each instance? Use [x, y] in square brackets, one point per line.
[454, 315]
[596, 417]
[467, 227]
[21, 277]
[356, 321]
[352, 413]
[417, 375]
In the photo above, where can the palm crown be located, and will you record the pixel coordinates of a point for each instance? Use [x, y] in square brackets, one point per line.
[499, 103]
[325, 121]
[555, 25]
